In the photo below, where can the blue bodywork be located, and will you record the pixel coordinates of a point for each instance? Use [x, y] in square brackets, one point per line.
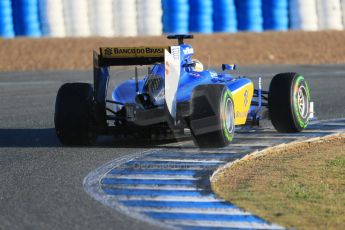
[126, 92]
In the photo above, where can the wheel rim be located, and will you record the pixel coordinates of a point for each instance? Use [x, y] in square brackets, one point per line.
[302, 102]
[229, 115]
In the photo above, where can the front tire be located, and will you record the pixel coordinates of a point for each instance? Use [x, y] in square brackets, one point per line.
[212, 119]
[73, 114]
[288, 102]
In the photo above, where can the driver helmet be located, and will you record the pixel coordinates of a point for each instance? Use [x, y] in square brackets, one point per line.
[199, 67]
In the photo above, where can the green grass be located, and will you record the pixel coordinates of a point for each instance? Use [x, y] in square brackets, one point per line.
[339, 162]
[300, 187]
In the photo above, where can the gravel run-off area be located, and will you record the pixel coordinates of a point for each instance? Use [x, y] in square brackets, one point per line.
[294, 47]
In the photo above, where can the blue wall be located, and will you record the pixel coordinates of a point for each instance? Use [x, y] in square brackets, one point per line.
[175, 16]
[201, 16]
[25, 18]
[21, 17]
[249, 15]
[224, 16]
[276, 14]
[6, 22]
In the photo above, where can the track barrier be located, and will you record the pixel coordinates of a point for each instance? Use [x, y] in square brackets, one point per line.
[109, 18]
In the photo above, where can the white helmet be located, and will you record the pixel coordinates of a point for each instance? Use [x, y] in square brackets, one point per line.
[199, 67]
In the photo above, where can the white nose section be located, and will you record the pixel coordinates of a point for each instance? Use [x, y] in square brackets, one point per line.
[172, 76]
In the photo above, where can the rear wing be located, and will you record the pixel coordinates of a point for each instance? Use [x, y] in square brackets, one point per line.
[126, 56]
[123, 56]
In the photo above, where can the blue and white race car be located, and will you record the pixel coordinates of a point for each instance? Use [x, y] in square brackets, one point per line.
[176, 94]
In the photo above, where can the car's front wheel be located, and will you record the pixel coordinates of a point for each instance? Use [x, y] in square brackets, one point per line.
[289, 102]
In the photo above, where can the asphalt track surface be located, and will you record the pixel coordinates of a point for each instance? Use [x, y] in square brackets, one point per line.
[41, 181]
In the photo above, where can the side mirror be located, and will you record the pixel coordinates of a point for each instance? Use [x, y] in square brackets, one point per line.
[229, 67]
[191, 64]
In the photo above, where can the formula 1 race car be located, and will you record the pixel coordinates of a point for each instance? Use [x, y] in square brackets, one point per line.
[176, 94]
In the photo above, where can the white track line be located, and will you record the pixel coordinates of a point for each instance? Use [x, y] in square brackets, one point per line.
[185, 159]
[248, 146]
[335, 124]
[167, 198]
[196, 155]
[167, 167]
[223, 211]
[161, 187]
[227, 224]
[270, 137]
[152, 177]
[213, 151]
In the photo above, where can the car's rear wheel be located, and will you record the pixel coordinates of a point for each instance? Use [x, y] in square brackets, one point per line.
[288, 102]
[73, 114]
[212, 119]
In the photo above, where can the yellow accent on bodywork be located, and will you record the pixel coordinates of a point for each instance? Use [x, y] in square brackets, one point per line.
[242, 100]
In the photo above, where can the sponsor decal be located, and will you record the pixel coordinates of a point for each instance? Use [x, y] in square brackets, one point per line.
[240, 114]
[245, 96]
[213, 74]
[188, 50]
[194, 74]
[132, 52]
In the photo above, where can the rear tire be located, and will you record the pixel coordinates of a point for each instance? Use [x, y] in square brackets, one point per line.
[288, 102]
[212, 120]
[73, 114]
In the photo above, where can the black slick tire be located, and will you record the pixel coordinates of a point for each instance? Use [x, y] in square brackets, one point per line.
[288, 102]
[73, 114]
[212, 116]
